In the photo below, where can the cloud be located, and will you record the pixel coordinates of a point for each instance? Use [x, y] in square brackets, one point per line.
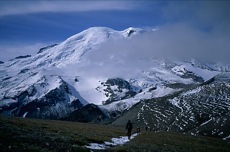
[11, 50]
[25, 7]
[179, 42]
[198, 13]
[198, 29]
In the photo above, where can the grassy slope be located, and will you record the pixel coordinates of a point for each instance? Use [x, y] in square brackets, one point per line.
[174, 142]
[17, 134]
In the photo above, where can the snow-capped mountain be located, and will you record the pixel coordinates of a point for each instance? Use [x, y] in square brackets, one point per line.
[100, 66]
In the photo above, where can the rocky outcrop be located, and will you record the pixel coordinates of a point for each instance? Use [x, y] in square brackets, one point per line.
[117, 89]
[23, 56]
[46, 48]
[89, 113]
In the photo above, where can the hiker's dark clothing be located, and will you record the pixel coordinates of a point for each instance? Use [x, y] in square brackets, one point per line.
[129, 127]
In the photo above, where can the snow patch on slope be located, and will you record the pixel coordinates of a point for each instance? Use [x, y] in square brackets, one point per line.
[146, 94]
[115, 141]
[204, 73]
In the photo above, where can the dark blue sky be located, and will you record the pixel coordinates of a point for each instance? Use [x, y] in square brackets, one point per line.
[56, 26]
[25, 26]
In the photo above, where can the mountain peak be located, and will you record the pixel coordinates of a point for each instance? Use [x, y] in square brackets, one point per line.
[132, 31]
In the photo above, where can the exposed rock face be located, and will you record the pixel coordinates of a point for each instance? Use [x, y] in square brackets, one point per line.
[117, 89]
[23, 56]
[46, 48]
[54, 104]
[89, 113]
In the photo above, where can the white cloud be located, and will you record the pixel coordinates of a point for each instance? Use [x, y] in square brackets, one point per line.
[175, 41]
[25, 7]
[11, 50]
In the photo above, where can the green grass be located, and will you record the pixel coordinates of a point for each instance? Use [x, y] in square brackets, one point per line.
[174, 142]
[17, 134]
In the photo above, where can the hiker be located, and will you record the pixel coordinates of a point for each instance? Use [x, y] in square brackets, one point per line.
[138, 130]
[129, 127]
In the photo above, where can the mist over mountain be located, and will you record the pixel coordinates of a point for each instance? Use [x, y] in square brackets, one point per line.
[117, 71]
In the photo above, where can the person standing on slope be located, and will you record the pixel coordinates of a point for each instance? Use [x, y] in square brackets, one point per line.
[129, 127]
